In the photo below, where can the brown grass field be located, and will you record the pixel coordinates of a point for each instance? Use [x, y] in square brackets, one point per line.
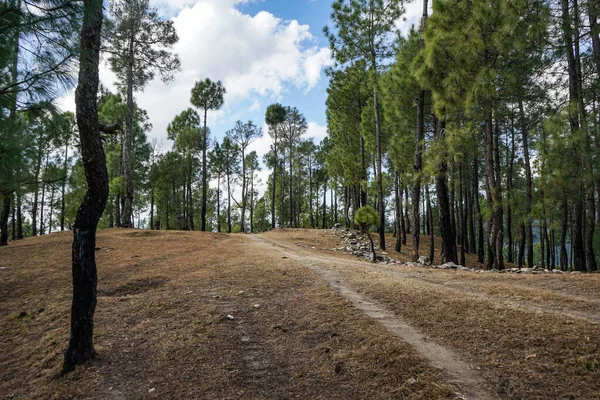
[309, 323]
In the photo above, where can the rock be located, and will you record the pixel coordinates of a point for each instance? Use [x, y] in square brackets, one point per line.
[151, 391]
[449, 265]
[230, 317]
[424, 260]
[241, 293]
[557, 271]
[256, 306]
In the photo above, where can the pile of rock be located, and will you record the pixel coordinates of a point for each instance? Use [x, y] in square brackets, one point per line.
[358, 244]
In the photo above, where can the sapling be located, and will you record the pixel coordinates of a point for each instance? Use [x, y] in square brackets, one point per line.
[366, 217]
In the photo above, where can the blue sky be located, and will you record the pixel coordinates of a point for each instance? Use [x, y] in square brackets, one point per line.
[263, 51]
[316, 14]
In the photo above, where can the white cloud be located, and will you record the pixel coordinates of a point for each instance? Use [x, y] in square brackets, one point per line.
[316, 131]
[412, 16]
[254, 56]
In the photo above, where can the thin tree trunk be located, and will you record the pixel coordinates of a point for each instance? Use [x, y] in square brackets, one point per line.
[480, 235]
[219, 203]
[523, 235]
[167, 211]
[417, 166]
[509, 188]
[571, 39]
[81, 346]
[64, 183]
[430, 225]
[43, 198]
[310, 195]
[363, 171]
[127, 212]
[461, 214]
[282, 210]
[593, 10]
[528, 186]
[152, 209]
[471, 216]
[228, 204]
[19, 218]
[4, 219]
[244, 194]
[291, 187]
[274, 192]
[398, 203]
[190, 198]
[252, 203]
[564, 257]
[118, 210]
[325, 204]
[494, 197]
[204, 174]
[378, 154]
[553, 252]
[14, 218]
[406, 213]
[448, 251]
[51, 209]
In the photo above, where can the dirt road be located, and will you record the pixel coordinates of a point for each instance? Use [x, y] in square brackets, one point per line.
[276, 316]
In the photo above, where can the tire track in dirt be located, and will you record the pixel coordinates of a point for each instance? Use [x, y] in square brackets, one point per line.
[523, 305]
[468, 383]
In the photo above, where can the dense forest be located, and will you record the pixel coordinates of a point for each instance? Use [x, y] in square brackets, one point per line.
[479, 127]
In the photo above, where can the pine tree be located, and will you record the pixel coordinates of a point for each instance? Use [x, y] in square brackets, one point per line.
[206, 95]
[138, 43]
[365, 31]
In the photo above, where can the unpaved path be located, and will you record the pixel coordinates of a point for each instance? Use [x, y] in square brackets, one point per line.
[469, 384]
[460, 287]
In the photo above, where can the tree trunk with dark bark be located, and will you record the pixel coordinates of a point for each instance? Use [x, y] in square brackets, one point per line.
[448, 252]
[127, 212]
[417, 167]
[430, 225]
[81, 347]
[378, 155]
[19, 217]
[564, 256]
[480, 235]
[4, 219]
[494, 198]
[398, 204]
[204, 174]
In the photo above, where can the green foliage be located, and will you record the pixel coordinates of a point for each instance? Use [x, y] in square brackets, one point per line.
[366, 217]
[208, 95]
[364, 30]
[185, 131]
[139, 39]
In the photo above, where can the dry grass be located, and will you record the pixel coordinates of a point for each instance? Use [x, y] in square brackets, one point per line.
[524, 352]
[161, 322]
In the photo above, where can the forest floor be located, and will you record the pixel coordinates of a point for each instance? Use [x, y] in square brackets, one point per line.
[191, 315]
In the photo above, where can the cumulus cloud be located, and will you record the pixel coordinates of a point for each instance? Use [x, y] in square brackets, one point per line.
[255, 56]
[412, 16]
